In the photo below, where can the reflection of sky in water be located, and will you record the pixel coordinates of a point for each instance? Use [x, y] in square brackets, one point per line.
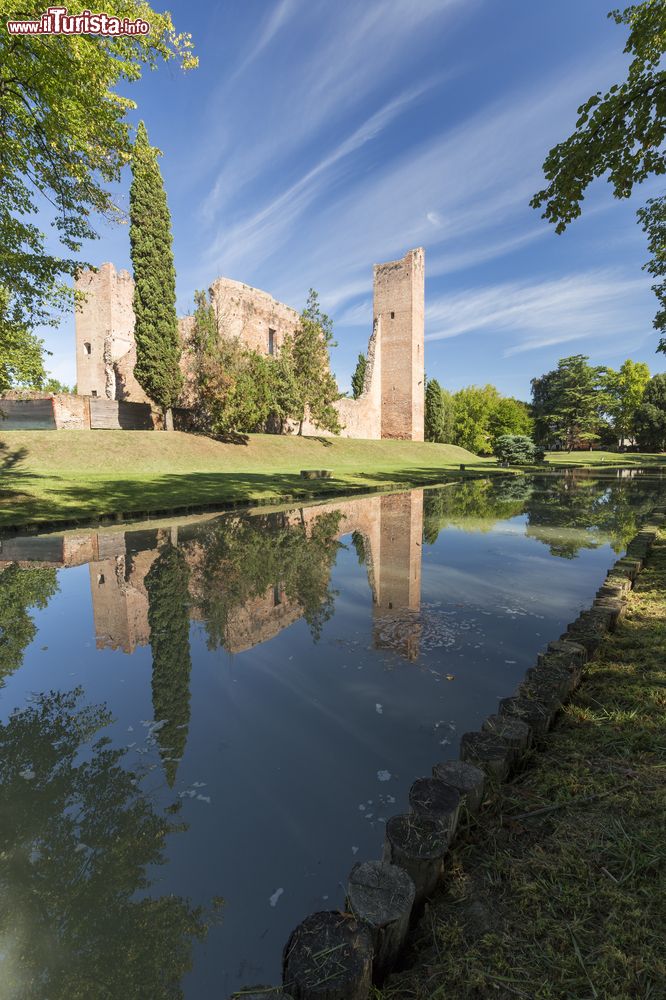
[298, 751]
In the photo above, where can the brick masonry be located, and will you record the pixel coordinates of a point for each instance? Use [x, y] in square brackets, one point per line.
[391, 404]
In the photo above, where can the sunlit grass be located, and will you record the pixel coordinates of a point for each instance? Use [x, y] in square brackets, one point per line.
[568, 903]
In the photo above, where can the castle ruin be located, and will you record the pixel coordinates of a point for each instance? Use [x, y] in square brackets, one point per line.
[391, 404]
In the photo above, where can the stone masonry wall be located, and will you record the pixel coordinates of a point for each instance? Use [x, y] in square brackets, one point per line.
[399, 306]
[391, 404]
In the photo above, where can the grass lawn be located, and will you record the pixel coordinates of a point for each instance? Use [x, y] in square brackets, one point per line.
[48, 476]
[626, 459]
[568, 903]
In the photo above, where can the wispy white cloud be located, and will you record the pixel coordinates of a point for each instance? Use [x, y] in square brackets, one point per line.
[542, 313]
[255, 238]
[281, 14]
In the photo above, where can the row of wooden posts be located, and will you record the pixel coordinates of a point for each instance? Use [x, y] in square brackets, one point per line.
[337, 956]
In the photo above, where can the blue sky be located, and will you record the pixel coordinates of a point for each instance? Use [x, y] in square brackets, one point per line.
[319, 137]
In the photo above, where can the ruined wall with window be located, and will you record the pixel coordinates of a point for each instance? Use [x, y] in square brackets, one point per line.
[391, 404]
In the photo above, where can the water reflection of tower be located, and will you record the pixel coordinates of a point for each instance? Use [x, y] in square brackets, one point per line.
[396, 573]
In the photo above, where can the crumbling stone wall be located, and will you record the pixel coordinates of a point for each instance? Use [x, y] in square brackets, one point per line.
[105, 349]
[391, 404]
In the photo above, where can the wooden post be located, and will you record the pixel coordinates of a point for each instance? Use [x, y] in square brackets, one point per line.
[432, 797]
[328, 957]
[516, 733]
[260, 993]
[382, 895]
[488, 752]
[468, 779]
[537, 714]
[418, 844]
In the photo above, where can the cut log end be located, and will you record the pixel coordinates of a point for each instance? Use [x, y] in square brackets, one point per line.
[328, 957]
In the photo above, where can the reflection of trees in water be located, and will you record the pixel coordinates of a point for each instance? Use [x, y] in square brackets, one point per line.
[169, 620]
[567, 512]
[20, 590]
[473, 505]
[77, 835]
[588, 511]
[245, 557]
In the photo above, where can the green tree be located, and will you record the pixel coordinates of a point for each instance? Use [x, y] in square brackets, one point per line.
[358, 378]
[169, 620]
[204, 330]
[473, 408]
[158, 346]
[55, 385]
[21, 590]
[79, 841]
[620, 134]
[64, 138]
[650, 418]
[251, 557]
[21, 352]
[509, 416]
[516, 449]
[316, 388]
[568, 403]
[625, 389]
[434, 411]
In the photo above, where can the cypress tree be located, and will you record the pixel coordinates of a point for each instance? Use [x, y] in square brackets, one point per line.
[434, 411]
[158, 346]
[358, 378]
[169, 620]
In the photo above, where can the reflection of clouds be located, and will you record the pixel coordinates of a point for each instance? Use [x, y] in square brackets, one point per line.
[529, 586]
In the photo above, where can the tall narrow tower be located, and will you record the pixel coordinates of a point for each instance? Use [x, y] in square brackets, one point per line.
[399, 288]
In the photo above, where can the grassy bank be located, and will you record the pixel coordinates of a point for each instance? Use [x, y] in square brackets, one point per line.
[604, 458]
[49, 476]
[568, 902]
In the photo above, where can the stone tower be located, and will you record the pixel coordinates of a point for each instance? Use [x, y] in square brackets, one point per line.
[105, 347]
[399, 289]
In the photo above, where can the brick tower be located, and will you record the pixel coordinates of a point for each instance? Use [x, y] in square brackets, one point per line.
[399, 288]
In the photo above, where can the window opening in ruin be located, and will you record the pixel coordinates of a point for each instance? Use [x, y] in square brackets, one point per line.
[392, 315]
[87, 348]
[271, 341]
[100, 579]
[94, 393]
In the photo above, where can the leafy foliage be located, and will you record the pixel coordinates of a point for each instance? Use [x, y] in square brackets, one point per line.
[21, 590]
[158, 345]
[247, 558]
[76, 844]
[169, 620]
[316, 388]
[434, 429]
[358, 378]
[517, 449]
[650, 419]
[620, 134]
[568, 403]
[21, 352]
[473, 406]
[624, 390]
[509, 416]
[64, 138]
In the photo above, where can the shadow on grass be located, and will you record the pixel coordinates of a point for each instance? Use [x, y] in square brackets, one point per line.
[54, 499]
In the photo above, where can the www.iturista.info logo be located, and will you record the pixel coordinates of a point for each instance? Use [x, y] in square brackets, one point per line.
[56, 21]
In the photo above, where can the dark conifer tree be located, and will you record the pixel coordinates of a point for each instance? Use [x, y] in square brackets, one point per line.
[169, 620]
[158, 345]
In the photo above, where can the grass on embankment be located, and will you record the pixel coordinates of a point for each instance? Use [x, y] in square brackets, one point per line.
[568, 903]
[50, 476]
[627, 459]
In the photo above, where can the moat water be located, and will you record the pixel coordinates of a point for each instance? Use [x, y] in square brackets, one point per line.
[205, 724]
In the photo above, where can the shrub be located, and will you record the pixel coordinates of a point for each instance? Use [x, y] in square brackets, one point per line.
[517, 449]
